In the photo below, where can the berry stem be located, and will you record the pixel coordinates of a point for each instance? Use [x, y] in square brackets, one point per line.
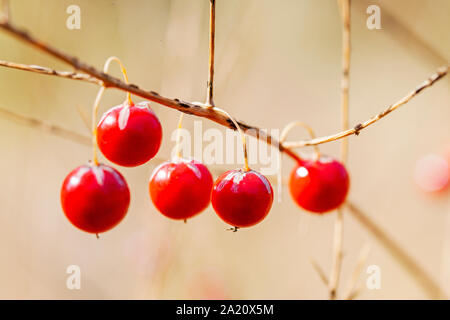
[241, 133]
[294, 124]
[212, 37]
[124, 73]
[94, 124]
[283, 137]
[178, 137]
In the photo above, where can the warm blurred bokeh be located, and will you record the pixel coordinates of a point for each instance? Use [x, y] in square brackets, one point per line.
[275, 61]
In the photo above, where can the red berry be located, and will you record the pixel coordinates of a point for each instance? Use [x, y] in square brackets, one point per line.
[319, 185]
[95, 198]
[129, 135]
[242, 198]
[181, 189]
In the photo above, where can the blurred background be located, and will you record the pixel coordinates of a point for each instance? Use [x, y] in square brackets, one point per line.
[275, 61]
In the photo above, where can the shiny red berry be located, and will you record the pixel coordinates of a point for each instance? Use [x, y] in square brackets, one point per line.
[319, 185]
[95, 198]
[242, 198]
[129, 135]
[181, 189]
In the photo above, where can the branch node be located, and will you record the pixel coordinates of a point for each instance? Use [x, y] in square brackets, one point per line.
[358, 128]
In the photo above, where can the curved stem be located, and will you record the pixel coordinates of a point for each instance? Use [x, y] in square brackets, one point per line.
[294, 124]
[124, 73]
[94, 124]
[97, 103]
[283, 137]
[339, 224]
[244, 141]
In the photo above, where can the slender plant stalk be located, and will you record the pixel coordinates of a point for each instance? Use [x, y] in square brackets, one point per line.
[212, 37]
[50, 128]
[339, 223]
[319, 271]
[94, 125]
[50, 72]
[439, 74]
[353, 288]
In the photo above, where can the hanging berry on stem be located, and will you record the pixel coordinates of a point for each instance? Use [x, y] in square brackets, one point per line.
[242, 197]
[129, 134]
[320, 184]
[181, 188]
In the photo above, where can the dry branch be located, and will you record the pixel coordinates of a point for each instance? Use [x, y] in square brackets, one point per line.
[319, 271]
[212, 37]
[440, 73]
[50, 72]
[52, 129]
[353, 288]
[344, 6]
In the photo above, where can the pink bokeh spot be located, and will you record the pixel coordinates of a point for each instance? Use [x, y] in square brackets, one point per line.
[432, 173]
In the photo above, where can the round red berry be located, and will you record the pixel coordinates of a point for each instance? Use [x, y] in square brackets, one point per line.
[129, 135]
[95, 198]
[181, 189]
[242, 198]
[319, 185]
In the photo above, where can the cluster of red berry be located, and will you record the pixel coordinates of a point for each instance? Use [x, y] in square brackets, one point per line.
[95, 197]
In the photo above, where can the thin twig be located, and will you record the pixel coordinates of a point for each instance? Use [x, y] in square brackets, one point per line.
[319, 271]
[345, 79]
[212, 36]
[339, 223]
[355, 292]
[441, 72]
[353, 289]
[84, 117]
[337, 255]
[431, 288]
[52, 129]
[50, 72]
